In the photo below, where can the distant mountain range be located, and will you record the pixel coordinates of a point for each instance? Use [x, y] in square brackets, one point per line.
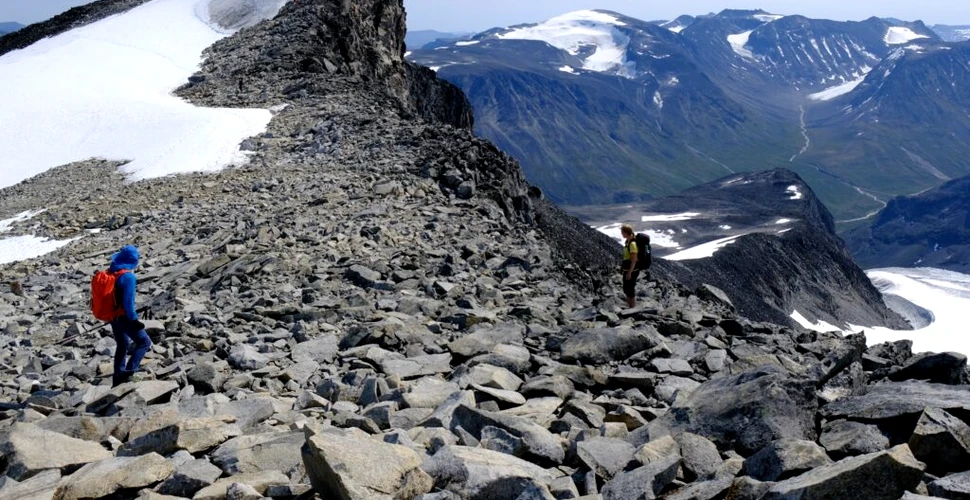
[419, 39]
[952, 33]
[603, 108]
[9, 28]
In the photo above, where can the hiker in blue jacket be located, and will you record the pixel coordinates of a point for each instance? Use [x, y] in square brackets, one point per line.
[126, 327]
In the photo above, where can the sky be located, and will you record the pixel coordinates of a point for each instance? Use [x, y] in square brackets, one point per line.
[479, 15]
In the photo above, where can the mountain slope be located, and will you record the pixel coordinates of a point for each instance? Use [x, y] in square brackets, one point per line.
[768, 242]
[418, 39]
[931, 229]
[952, 33]
[601, 107]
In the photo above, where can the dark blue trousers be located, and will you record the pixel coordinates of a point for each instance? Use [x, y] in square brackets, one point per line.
[126, 333]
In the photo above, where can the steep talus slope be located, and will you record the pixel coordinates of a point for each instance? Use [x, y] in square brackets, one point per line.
[374, 307]
[931, 229]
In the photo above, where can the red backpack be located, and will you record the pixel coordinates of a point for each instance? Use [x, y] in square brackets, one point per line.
[104, 302]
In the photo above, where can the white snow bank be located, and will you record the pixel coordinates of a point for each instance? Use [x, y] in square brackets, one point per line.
[703, 251]
[898, 35]
[794, 192]
[568, 69]
[944, 293]
[228, 16]
[657, 239]
[782, 221]
[821, 326]
[768, 17]
[738, 42]
[669, 217]
[467, 43]
[17, 248]
[836, 91]
[575, 30]
[104, 91]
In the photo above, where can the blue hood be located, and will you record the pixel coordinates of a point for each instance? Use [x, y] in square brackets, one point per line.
[126, 258]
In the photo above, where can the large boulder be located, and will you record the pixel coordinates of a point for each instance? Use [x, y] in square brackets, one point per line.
[942, 442]
[41, 486]
[879, 476]
[602, 345]
[482, 338]
[785, 458]
[952, 486]
[350, 465]
[744, 412]
[270, 451]
[28, 449]
[943, 368]
[842, 438]
[259, 481]
[104, 477]
[477, 473]
[605, 456]
[194, 435]
[890, 400]
[538, 443]
[642, 483]
[700, 458]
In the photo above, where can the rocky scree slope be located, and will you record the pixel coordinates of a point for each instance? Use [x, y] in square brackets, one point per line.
[341, 318]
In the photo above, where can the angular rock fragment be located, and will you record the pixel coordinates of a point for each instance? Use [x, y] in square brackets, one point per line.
[23, 456]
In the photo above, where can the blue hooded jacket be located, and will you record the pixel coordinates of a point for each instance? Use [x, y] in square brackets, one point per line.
[126, 258]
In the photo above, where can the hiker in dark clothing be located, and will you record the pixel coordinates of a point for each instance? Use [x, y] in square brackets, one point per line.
[126, 327]
[629, 266]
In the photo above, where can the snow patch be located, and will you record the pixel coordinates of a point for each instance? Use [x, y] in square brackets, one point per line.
[18, 248]
[738, 42]
[836, 91]
[118, 103]
[704, 250]
[782, 221]
[794, 192]
[669, 217]
[767, 18]
[658, 100]
[657, 238]
[568, 69]
[898, 35]
[573, 31]
[725, 228]
[676, 29]
[820, 326]
[466, 43]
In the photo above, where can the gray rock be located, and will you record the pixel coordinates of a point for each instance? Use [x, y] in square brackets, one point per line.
[268, 451]
[24, 458]
[895, 399]
[476, 473]
[555, 385]
[514, 358]
[240, 491]
[702, 490]
[495, 439]
[482, 338]
[642, 483]
[881, 476]
[247, 357]
[715, 360]
[700, 458]
[104, 477]
[943, 368]
[345, 464]
[259, 481]
[605, 456]
[492, 376]
[428, 392]
[955, 486]
[206, 378]
[599, 346]
[418, 366]
[564, 488]
[942, 442]
[321, 350]
[193, 435]
[674, 366]
[444, 414]
[745, 412]
[190, 477]
[785, 458]
[538, 443]
[843, 438]
[300, 372]
[510, 397]
[656, 450]
[41, 486]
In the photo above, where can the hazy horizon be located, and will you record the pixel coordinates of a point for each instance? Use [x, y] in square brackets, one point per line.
[474, 16]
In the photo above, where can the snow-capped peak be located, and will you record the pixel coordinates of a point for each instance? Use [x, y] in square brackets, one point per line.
[898, 35]
[576, 31]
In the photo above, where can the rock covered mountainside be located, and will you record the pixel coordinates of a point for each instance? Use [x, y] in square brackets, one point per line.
[378, 306]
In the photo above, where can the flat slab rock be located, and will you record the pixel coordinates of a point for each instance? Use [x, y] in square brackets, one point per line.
[895, 399]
